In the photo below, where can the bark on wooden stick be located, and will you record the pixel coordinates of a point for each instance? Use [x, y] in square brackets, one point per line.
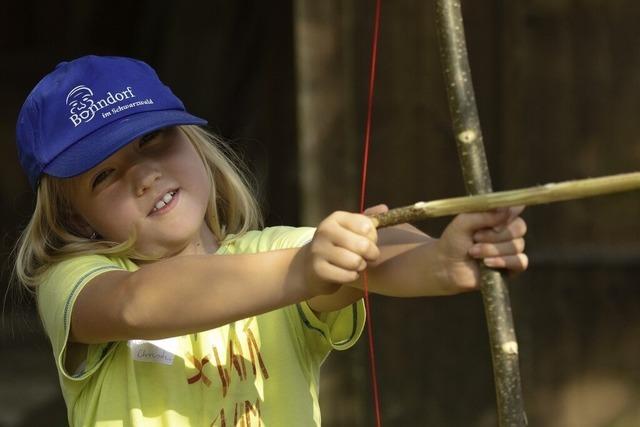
[466, 125]
[548, 193]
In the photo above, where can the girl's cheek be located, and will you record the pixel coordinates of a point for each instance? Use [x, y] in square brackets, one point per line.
[114, 221]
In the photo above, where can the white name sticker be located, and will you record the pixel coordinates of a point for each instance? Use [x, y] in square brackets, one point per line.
[157, 351]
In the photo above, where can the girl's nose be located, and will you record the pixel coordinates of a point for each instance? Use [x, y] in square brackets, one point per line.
[144, 174]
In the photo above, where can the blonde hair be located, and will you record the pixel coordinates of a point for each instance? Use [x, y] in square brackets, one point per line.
[51, 236]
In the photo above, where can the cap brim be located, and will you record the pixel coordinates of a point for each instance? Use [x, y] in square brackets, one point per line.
[97, 146]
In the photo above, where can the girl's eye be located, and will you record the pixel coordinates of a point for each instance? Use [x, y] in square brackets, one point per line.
[149, 137]
[99, 178]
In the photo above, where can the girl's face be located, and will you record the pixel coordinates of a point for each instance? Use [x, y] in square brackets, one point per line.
[156, 186]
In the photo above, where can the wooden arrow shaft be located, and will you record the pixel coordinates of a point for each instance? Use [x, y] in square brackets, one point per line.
[542, 194]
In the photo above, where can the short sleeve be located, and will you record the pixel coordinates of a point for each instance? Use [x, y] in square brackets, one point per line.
[268, 239]
[56, 297]
[289, 237]
[337, 330]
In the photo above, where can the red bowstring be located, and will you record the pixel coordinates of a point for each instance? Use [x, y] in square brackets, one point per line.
[365, 163]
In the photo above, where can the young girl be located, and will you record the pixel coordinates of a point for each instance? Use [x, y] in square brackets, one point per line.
[165, 302]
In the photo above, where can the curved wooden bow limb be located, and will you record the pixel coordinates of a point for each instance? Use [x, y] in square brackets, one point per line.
[548, 193]
[466, 125]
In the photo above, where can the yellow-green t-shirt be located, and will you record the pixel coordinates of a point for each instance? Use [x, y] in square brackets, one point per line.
[259, 371]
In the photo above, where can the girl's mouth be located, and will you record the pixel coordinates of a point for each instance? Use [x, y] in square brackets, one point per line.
[165, 203]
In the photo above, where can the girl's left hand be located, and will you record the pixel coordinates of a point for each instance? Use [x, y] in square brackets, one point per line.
[495, 237]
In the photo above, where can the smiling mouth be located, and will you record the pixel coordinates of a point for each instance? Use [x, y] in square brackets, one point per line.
[164, 201]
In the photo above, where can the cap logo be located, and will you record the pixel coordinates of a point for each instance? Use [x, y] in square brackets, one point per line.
[83, 108]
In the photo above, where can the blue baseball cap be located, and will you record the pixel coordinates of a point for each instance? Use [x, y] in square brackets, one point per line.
[87, 109]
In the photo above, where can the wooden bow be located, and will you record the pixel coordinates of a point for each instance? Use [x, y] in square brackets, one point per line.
[473, 161]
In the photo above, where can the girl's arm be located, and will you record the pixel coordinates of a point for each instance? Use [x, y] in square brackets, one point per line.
[192, 293]
[412, 264]
[187, 294]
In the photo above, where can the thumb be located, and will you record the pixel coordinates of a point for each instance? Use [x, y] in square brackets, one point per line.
[377, 209]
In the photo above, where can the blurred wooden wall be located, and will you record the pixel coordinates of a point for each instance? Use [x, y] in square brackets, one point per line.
[558, 87]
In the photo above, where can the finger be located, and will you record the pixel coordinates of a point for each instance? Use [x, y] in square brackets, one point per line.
[470, 222]
[336, 235]
[488, 250]
[514, 263]
[515, 229]
[345, 259]
[512, 213]
[515, 211]
[358, 224]
[332, 273]
[377, 209]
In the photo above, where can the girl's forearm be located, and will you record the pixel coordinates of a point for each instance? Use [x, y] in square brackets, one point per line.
[408, 266]
[160, 300]
[409, 270]
[404, 270]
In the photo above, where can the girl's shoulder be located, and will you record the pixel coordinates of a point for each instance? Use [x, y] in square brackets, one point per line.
[267, 239]
[70, 272]
[84, 263]
[61, 284]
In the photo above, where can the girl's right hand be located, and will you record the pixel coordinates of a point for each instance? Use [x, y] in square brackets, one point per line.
[342, 246]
